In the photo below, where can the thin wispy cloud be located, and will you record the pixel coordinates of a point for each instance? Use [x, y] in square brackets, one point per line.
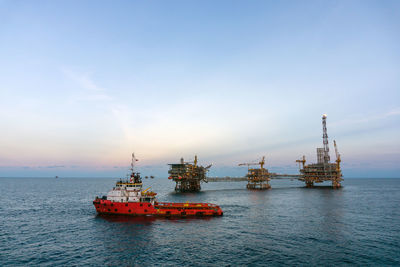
[90, 90]
[362, 119]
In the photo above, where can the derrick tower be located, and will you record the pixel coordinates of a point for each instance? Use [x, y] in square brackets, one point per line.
[257, 178]
[323, 170]
[188, 175]
[327, 158]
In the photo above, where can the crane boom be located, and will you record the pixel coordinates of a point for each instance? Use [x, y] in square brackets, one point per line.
[336, 151]
[303, 160]
[146, 190]
[261, 163]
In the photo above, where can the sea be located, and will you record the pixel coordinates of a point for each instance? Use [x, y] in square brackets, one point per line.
[52, 222]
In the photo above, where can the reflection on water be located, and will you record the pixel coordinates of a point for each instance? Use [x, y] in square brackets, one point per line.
[148, 220]
[127, 219]
[258, 197]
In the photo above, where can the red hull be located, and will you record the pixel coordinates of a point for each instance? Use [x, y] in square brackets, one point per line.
[159, 209]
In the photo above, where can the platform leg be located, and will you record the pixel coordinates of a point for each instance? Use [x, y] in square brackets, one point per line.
[309, 184]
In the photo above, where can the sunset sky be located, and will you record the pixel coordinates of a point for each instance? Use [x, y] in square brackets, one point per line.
[83, 84]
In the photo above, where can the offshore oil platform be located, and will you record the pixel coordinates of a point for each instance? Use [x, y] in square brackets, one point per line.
[188, 175]
[257, 178]
[323, 170]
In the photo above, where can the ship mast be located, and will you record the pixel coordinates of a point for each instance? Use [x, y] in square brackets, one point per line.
[133, 162]
[132, 167]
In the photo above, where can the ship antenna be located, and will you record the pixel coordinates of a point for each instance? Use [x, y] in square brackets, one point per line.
[133, 162]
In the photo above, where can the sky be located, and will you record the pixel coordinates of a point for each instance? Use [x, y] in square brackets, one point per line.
[83, 84]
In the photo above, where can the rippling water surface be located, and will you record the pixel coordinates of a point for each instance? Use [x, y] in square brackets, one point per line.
[52, 222]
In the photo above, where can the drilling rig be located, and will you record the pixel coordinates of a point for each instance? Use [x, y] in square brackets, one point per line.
[188, 175]
[323, 170]
[257, 178]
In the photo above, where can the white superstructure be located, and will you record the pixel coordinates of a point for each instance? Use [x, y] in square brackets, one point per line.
[131, 190]
[125, 192]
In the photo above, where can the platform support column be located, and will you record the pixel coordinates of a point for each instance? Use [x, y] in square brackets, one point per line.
[336, 184]
[309, 184]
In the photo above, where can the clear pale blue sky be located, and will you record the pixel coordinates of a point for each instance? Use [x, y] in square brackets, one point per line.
[85, 83]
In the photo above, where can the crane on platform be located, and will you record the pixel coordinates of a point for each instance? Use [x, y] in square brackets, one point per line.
[336, 182]
[195, 161]
[257, 178]
[338, 160]
[303, 161]
[261, 163]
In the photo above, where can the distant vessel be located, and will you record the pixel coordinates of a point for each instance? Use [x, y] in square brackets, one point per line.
[128, 198]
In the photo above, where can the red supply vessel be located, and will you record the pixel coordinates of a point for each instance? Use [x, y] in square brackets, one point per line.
[128, 198]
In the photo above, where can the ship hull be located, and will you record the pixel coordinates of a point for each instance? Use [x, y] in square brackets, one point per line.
[161, 209]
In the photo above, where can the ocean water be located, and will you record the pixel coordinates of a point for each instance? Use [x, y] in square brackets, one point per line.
[52, 222]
